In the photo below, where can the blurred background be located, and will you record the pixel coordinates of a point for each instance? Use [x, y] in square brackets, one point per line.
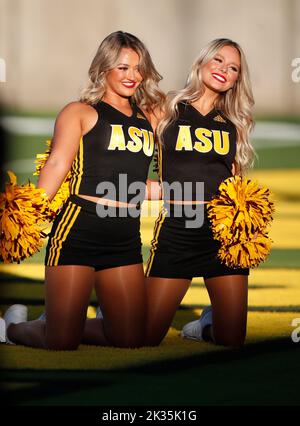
[46, 48]
[48, 45]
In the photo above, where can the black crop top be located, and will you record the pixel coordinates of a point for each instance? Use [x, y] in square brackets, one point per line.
[196, 148]
[116, 145]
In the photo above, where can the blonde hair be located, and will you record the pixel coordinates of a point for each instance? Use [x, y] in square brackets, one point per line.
[236, 103]
[147, 96]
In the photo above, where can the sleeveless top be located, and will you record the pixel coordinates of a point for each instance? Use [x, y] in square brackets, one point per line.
[196, 148]
[114, 154]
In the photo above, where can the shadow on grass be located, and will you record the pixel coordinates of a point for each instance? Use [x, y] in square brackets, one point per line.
[288, 197]
[262, 373]
[250, 286]
[15, 279]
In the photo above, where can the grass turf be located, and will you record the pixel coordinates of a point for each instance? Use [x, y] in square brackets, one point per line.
[265, 371]
[262, 374]
[262, 326]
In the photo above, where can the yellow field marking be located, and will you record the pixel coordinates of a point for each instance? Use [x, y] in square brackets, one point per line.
[283, 181]
[285, 233]
[272, 287]
[91, 312]
[288, 209]
[34, 271]
[285, 229]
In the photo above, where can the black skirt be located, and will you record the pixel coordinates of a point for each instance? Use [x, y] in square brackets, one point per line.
[178, 251]
[80, 237]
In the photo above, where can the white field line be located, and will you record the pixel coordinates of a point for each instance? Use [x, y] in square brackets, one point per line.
[20, 166]
[44, 126]
[271, 135]
[28, 125]
[265, 135]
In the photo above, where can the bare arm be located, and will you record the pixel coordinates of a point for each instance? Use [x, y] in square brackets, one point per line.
[235, 168]
[67, 133]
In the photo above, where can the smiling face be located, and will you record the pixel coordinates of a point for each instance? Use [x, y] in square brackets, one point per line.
[125, 77]
[222, 71]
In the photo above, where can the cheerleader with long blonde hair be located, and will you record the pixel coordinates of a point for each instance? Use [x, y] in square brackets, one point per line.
[95, 241]
[204, 137]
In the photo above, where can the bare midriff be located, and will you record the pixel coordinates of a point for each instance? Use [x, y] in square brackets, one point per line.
[106, 201]
[186, 202]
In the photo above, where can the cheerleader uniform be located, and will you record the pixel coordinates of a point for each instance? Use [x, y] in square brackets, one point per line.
[196, 148]
[114, 154]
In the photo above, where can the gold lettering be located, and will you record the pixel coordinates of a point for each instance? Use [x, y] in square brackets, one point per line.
[148, 143]
[205, 144]
[134, 145]
[117, 140]
[184, 140]
[221, 142]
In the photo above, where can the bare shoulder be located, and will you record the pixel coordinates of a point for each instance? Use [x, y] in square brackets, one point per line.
[76, 109]
[77, 113]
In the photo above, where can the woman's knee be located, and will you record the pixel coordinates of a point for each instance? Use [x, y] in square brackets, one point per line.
[61, 340]
[127, 341]
[231, 341]
[230, 337]
[125, 335]
[57, 344]
[132, 343]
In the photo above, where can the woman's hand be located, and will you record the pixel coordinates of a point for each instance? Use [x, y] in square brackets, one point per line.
[153, 190]
[235, 170]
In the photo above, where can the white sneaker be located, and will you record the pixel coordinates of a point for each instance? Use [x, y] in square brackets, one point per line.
[2, 331]
[194, 329]
[14, 315]
[99, 314]
[42, 317]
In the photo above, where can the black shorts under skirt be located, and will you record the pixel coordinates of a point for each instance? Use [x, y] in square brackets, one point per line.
[80, 237]
[181, 252]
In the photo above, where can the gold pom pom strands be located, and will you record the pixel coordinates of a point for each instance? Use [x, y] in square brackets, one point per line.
[240, 216]
[24, 210]
[41, 159]
[248, 253]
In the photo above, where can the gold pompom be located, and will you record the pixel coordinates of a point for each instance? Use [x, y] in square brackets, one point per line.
[24, 210]
[246, 254]
[64, 191]
[41, 159]
[240, 217]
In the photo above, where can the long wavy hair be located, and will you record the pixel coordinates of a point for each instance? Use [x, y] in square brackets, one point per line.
[147, 96]
[236, 103]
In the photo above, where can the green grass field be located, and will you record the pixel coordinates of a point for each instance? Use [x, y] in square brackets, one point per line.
[179, 372]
